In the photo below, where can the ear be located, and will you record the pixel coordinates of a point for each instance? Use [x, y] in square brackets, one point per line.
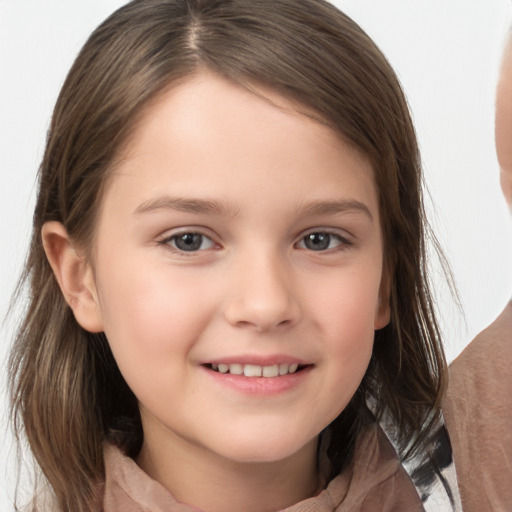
[383, 313]
[74, 275]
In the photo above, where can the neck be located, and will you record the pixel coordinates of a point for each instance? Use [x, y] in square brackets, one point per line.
[203, 479]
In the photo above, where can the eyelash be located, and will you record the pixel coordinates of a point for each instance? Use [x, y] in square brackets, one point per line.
[343, 243]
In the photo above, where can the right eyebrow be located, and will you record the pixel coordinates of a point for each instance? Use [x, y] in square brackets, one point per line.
[188, 205]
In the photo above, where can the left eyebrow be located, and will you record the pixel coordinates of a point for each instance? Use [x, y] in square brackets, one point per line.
[334, 207]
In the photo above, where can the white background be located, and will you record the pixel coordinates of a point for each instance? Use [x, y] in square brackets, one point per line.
[446, 53]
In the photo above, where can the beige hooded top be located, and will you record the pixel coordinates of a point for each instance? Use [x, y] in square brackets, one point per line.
[478, 415]
[375, 481]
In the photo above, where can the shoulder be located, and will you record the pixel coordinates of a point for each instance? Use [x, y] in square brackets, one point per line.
[478, 414]
[484, 352]
[483, 369]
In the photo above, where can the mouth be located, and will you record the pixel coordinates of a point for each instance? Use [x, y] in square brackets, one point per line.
[253, 370]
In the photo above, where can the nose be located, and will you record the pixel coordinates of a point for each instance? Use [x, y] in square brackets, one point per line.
[261, 295]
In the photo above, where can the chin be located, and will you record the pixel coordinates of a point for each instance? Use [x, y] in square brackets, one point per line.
[266, 449]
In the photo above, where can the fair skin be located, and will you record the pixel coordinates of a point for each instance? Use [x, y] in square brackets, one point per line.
[504, 122]
[236, 236]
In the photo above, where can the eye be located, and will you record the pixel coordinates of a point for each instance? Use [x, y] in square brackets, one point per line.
[189, 242]
[322, 241]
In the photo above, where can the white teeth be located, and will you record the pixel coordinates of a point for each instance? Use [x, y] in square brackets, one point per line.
[236, 369]
[270, 371]
[254, 370]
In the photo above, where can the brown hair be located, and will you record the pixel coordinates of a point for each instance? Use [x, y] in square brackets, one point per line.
[67, 393]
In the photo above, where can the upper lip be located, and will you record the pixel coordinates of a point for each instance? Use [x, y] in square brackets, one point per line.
[257, 360]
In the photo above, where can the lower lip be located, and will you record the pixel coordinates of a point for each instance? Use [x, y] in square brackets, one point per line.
[260, 386]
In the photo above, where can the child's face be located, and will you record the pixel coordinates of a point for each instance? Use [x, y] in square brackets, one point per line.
[238, 233]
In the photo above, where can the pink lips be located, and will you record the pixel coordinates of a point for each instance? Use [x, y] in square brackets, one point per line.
[258, 376]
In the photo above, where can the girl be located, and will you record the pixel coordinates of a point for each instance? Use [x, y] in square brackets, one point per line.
[227, 268]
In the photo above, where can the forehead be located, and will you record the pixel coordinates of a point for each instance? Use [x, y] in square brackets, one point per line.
[219, 99]
[211, 124]
[505, 76]
[212, 148]
[504, 111]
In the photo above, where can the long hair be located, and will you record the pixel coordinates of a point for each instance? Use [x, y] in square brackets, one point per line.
[68, 396]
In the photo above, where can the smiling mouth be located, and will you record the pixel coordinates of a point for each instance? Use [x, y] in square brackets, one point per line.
[253, 370]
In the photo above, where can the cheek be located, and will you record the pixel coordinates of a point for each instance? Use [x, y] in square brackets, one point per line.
[348, 303]
[151, 314]
[152, 322]
[346, 314]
